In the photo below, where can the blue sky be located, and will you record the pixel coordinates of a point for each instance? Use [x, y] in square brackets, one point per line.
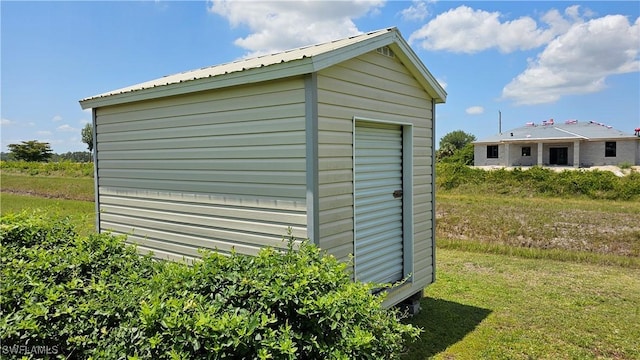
[530, 60]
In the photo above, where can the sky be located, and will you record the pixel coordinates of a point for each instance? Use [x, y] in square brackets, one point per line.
[528, 60]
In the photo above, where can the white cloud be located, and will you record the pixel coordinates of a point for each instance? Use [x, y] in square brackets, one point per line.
[66, 128]
[416, 12]
[5, 122]
[474, 110]
[281, 25]
[579, 61]
[442, 83]
[44, 133]
[466, 30]
[56, 118]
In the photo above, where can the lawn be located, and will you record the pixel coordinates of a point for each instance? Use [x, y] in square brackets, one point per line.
[517, 278]
[486, 306]
[48, 186]
[599, 226]
[81, 213]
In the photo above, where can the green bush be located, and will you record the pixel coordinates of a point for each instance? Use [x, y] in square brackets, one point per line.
[538, 181]
[62, 168]
[463, 156]
[625, 165]
[453, 175]
[94, 297]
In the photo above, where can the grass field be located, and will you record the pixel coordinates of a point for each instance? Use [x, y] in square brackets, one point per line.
[599, 226]
[534, 278]
[486, 306]
[48, 186]
[81, 213]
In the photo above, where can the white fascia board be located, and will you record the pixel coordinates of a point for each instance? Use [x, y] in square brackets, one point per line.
[333, 57]
[285, 69]
[620, 138]
[271, 72]
[401, 50]
[557, 139]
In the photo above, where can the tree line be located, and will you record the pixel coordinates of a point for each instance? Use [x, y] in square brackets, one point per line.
[38, 151]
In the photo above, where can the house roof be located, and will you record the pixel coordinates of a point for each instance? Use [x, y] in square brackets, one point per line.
[548, 131]
[304, 60]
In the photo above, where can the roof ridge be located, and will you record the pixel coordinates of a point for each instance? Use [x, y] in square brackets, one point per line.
[274, 54]
[570, 133]
[292, 62]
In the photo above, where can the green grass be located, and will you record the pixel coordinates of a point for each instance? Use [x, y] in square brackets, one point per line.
[81, 213]
[537, 253]
[486, 306]
[603, 227]
[48, 186]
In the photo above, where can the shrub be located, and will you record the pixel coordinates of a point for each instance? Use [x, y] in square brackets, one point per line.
[463, 156]
[62, 168]
[452, 175]
[538, 181]
[625, 165]
[95, 297]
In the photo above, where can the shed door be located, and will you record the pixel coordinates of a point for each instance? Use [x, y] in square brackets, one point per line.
[378, 243]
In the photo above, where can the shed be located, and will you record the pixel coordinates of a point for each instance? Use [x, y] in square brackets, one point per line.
[333, 140]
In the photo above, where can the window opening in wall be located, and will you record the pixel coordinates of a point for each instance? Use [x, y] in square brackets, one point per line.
[610, 149]
[526, 151]
[492, 151]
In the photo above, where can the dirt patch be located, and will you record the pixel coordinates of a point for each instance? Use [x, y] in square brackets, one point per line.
[45, 195]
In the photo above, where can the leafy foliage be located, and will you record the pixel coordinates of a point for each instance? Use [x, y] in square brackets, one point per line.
[457, 138]
[94, 297]
[61, 168]
[536, 180]
[73, 156]
[31, 150]
[87, 136]
[462, 156]
[456, 147]
[446, 150]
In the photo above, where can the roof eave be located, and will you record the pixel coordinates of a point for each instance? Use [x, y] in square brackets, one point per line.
[409, 58]
[307, 65]
[401, 49]
[563, 139]
[266, 73]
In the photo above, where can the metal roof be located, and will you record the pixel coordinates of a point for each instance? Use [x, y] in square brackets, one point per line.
[570, 130]
[293, 62]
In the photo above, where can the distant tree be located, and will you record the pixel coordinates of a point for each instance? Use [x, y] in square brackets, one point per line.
[32, 150]
[76, 156]
[445, 150]
[87, 136]
[457, 138]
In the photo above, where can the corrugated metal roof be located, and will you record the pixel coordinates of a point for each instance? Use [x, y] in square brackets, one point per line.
[287, 63]
[570, 130]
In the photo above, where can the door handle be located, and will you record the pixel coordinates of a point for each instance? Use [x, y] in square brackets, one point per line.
[397, 194]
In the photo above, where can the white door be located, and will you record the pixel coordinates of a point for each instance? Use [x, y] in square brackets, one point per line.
[378, 247]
